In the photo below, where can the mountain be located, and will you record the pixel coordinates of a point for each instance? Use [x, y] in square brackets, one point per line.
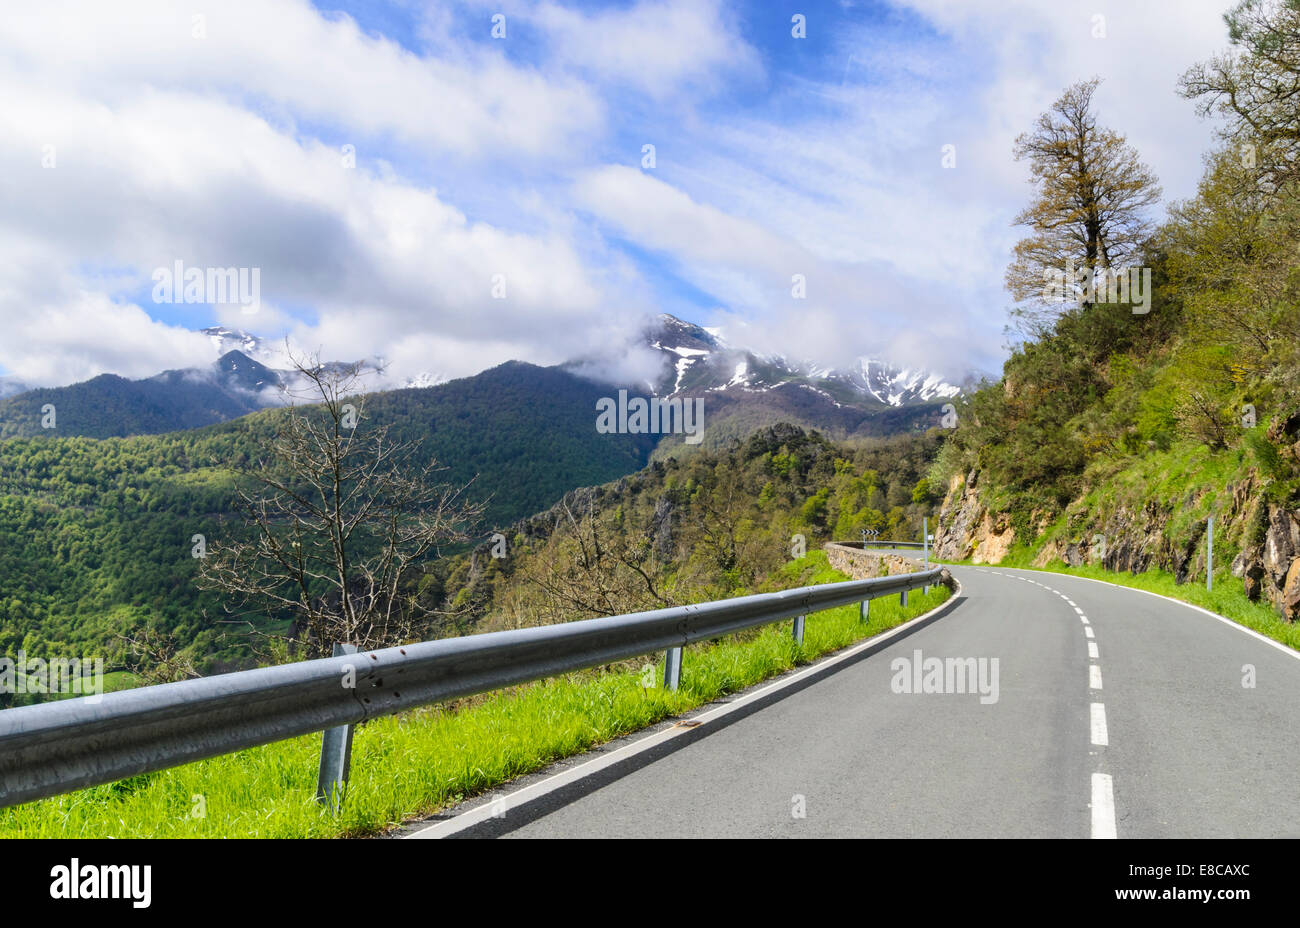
[112, 406]
[745, 390]
[698, 360]
[225, 340]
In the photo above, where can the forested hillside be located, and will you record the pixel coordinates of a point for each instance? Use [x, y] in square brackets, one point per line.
[1115, 434]
[110, 406]
[713, 524]
[96, 535]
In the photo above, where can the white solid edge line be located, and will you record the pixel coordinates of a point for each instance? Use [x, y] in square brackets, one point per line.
[1214, 615]
[1099, 734]
[1103, 806]
[503, 804]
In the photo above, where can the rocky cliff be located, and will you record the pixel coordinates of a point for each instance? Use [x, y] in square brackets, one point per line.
[1258, 539]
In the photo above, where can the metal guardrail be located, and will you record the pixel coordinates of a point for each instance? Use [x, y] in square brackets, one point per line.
[887, 544]
[54, 748]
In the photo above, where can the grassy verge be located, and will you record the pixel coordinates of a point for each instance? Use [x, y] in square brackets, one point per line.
[421, 761]
[1227, 599]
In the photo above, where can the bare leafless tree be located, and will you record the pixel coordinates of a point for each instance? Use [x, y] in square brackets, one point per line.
[594, 567]
[158, 657]
[341, 515]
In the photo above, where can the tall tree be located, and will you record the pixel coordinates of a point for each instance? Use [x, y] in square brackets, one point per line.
[1256, 86]
[1232, 261]
[1089, 210]
[342, 517]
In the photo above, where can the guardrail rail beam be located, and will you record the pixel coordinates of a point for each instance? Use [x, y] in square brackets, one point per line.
[58, 747]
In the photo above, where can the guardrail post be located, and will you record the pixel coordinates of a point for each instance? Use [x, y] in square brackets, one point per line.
[865, 611]
[902, 598]
[672, 668]
[335, 754]
[798, 628]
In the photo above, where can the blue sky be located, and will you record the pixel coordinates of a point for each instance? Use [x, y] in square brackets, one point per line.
[219, 139]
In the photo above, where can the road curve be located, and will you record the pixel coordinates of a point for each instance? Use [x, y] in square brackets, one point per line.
[1117, 714]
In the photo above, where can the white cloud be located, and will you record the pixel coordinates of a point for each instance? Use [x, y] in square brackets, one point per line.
[662, 48]
[478, 158]
[286, 57]
[850, 308]
[146, 176]
[844, 174]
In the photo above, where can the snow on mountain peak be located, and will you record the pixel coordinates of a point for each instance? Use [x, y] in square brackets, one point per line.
[697, 358]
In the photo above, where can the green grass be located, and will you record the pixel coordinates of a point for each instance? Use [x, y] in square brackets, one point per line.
[416, 763]
[1227, 599]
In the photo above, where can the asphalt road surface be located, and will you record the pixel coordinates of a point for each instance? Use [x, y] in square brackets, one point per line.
[1117, 714]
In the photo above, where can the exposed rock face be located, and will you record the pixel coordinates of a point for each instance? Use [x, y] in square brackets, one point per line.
[1291, 592]
[1266, 537]
[961, 512]
[1270, 567]
[967, 529]
[662, 527]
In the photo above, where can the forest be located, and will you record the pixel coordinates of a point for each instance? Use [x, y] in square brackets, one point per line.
[97, 535]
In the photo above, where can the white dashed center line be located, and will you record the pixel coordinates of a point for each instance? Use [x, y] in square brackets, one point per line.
[1103, 788]
[1099, 725]
[1103, 806]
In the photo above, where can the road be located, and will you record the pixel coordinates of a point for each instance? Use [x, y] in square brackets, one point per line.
[1117, 714]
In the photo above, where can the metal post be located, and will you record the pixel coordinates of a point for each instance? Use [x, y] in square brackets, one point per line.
[902, 598]
[335, 754]
[865, 612]
[798, 629]
[672, 668]
[1209, 557]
